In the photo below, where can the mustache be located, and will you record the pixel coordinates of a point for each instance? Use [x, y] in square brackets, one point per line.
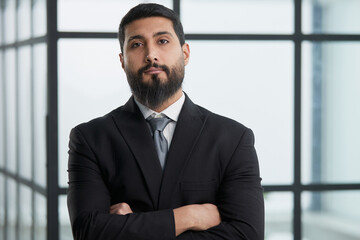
[165, 68]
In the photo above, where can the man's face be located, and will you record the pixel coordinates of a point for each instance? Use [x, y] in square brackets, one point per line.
[153, 60]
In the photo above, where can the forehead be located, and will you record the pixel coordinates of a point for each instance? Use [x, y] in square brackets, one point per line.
[149, 26]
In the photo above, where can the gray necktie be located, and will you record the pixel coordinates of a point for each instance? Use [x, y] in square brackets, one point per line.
[161, 144]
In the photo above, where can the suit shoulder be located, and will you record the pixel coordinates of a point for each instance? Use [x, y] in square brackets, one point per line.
[222, 121]
[99, 122]
[227, 132]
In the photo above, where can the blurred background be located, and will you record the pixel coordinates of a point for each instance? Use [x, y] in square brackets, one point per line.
[288, 69]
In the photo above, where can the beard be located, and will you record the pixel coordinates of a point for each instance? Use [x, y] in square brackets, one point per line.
[155, 92]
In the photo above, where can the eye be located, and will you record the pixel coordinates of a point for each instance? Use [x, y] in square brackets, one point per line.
[136, 44]
[163, 41]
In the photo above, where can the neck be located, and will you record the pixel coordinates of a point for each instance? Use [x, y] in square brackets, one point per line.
[170, 101]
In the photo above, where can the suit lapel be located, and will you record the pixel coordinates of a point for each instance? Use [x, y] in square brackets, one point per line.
[188, 129]
[133, 128]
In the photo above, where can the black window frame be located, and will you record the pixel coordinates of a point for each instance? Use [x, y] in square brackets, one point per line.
[52, 191]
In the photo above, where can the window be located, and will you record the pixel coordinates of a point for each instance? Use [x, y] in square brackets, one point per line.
[23, 110]
[288, 69]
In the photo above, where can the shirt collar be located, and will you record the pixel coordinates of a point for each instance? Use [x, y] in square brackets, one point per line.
[172, 112]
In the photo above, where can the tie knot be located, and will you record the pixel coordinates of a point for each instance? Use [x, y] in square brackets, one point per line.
[158, 124]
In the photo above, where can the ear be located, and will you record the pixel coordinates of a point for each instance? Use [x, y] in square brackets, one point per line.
[186, 52]
[121, 60]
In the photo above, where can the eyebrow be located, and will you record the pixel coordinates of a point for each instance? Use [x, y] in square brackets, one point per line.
[135, 37]
[155, 35]
[163, 33]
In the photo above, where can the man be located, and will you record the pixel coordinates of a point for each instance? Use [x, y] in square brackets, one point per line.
[198, 178]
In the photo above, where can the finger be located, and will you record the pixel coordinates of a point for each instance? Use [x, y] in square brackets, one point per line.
[113, 207]
[118, 205]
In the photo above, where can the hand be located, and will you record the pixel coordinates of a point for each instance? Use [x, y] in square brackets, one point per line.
[205, 216]
[120, 209]
[197, 217]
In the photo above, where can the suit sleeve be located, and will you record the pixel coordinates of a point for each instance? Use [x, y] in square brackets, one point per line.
[89, 203]
[240, 199]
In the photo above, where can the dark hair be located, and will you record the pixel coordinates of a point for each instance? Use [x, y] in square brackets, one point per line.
[145, 10]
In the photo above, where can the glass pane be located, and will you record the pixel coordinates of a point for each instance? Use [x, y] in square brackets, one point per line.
[24, 86]
[10, 19]
[278, 216]
[331, 16]
[111, 12]
[2, 112]
[249, 96]
[39, 17]
[234, 16]
[40, 222]
[24, 19]
[330, 112]
[11, 209]
[331, 215]
[91, 84]
[25, 221]
[40, 110]
[10, 102]
[2, 40]
[64, 220]
[2, 206]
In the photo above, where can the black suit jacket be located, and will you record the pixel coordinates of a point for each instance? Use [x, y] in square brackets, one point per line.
[211, 159]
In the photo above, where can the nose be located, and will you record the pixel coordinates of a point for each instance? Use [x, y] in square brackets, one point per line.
[152, 55]
[150, 58]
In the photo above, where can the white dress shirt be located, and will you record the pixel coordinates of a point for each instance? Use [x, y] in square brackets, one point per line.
[172, 112]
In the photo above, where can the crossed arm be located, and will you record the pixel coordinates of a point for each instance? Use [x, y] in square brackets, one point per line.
[196, 217]
[239, 202]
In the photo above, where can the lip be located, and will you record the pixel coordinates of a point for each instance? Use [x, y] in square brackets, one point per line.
[153, 70]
